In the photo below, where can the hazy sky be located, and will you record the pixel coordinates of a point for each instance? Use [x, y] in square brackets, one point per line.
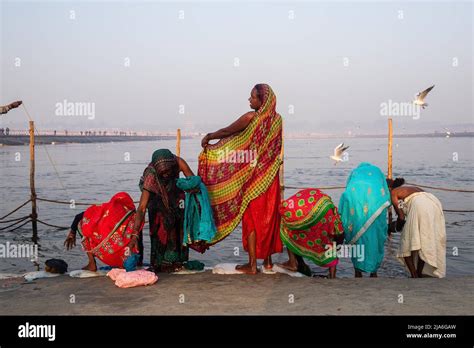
[299, 48]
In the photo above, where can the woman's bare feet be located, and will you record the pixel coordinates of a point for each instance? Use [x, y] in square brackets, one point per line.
[290, 266]
[247, 268]
[267, 263]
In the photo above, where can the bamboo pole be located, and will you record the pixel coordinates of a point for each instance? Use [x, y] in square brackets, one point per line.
[389, 171]
[178, 142]
[282, 166]
[34, 214]
[390, 136]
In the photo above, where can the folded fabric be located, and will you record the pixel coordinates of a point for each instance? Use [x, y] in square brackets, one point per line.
[194, 265]
[229, 268]
[198, 219]
[124, 279]
[114, 272]
[81, 273]
[30, 276]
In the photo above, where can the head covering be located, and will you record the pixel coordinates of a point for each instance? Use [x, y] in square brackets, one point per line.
[241, 167]
[162, 155]
[164, 188]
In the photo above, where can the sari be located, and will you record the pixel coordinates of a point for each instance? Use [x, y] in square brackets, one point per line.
[241, 175]
[107, 228]
[311, 226]
[424, 232]
[165, 212]
[363, 208]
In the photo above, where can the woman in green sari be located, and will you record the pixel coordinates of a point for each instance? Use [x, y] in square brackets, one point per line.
[165, 204]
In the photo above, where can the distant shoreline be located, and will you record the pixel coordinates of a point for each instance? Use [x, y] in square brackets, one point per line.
[15, 140]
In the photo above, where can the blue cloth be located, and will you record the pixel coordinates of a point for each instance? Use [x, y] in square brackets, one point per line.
[130, 263]
[363, 211]
[198, 219]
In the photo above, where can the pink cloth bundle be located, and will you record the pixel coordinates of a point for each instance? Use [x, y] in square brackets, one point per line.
[124, 279]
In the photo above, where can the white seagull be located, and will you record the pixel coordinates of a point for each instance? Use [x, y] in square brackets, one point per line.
[420, 97]
[338, 151]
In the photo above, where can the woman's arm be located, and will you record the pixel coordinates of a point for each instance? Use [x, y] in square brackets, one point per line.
[236, 127]
[396, 205]
[184, 167]
[139, 218]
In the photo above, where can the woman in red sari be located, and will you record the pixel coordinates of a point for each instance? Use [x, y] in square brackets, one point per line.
[241, 175]
[107, 229]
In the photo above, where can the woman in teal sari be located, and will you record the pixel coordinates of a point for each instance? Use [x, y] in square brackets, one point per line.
[362, 208]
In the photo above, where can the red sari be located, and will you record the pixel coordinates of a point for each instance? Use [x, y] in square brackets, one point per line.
[262, 216]
[107, 229]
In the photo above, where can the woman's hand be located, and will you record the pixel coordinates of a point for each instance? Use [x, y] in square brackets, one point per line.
[205, 140]
[133, 243]
[70, 241]
[15, 104]
[400, 224]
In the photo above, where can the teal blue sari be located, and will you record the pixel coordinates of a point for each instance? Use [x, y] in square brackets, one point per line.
[363, 211]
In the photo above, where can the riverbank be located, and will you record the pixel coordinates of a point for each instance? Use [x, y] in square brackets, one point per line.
[213, 294]
[12, 140]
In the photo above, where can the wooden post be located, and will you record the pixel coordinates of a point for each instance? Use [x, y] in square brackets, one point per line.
[178, 142]
[390, 136]
[389, 171]
[34, 214]
[282, 166]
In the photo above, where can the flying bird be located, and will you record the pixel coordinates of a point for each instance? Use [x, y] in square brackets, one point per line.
[420, 97]
[338, 151]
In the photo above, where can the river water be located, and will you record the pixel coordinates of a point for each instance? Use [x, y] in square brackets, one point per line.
[94, 172]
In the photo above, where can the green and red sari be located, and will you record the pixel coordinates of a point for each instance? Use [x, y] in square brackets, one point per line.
[165, 212]
[311, 226]
[241, 176]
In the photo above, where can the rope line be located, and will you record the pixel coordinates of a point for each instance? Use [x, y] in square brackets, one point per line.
[7, 221]
[21, 206]
[75, 203]
[320, 188]
[408, 183]
[441, 188]
[458, 211]
[55, 226]
[23, 224]
[15, 223]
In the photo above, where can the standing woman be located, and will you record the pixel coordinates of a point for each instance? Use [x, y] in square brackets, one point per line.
[241, 175]
[164, 201]
[363, 210]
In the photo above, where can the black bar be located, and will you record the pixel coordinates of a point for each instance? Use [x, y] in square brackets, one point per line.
[223, 330]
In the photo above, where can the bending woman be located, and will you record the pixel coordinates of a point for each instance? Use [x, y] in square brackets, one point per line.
[107, 229]
[423, 237]
[363, 210]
